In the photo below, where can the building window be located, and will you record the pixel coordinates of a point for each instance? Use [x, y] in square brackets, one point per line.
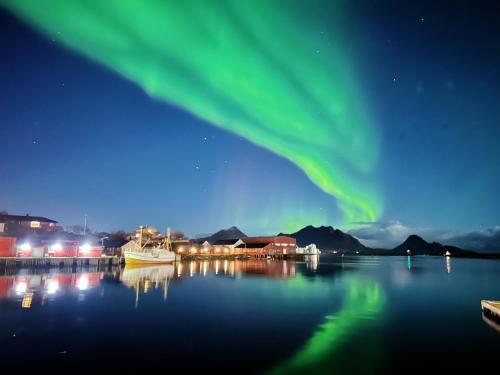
[35, 224]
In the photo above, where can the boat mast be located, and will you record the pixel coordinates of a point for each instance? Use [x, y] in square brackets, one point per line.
[140, 236]
[168, 241]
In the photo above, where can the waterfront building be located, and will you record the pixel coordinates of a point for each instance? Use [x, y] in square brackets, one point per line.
[148, 236]
[180, 244]
[7, 246]
[309, 250]
[56, 248]
[272, 246]
[17, 225]
[254, 246]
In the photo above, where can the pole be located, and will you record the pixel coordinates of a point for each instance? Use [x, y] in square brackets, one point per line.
[140, 236]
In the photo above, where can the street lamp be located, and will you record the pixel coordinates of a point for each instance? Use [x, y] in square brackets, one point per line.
[102, 240]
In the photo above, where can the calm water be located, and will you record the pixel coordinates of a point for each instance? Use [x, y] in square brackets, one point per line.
[326, 315]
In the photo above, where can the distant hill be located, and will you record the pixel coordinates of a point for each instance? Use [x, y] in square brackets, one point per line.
[418, 246]
[223, 234]
[327, 238]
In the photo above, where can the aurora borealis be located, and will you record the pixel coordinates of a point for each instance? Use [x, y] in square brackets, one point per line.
[250, 68]
[267, 115]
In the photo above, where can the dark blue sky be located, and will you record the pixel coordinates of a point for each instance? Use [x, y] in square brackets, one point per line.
[77, 138]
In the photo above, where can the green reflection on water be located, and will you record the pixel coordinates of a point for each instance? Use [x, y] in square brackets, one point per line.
[363, 303]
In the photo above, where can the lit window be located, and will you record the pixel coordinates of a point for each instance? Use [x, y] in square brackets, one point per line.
[35, 224]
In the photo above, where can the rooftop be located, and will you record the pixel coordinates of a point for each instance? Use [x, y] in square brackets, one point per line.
[5, 218]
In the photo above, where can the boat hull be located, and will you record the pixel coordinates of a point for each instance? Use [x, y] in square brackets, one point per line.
[148, 258]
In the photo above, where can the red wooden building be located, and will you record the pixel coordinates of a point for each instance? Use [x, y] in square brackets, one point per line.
[7, 246]
[65, 248]
[273, 246]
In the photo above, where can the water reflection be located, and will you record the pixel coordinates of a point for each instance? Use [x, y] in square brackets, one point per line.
[448, 264]
[238, 268]
[144, 278]
[495, 324]
[363, 304]
[312, 262]
[307, 317]
[30, 288]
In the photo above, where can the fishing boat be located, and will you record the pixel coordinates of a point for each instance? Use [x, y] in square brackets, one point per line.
[162, 254]
[149, 256]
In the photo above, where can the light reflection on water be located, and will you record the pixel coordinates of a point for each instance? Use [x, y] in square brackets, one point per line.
[40, 286]
[314, 316]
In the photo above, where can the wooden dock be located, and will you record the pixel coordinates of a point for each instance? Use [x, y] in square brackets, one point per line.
[242, 256]
[491, 308]
[11, 262]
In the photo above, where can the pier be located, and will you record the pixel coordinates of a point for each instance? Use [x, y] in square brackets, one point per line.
[10, 262]
[491, 308]
[243, 256]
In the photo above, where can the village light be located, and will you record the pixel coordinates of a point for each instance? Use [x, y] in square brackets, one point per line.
[52, 286]
[56, 247]
[25, 247]
[83, 282]
[85, 248]
[21, 287]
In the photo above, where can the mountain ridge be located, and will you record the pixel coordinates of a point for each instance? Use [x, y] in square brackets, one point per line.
[224, 234]
[326, 238]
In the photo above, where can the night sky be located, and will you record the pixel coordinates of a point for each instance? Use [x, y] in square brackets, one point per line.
[377, 117]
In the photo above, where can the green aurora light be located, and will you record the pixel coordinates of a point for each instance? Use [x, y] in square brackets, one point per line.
[363, 304]
[255, 68]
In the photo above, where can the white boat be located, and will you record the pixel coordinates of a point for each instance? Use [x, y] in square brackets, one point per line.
[151, 255]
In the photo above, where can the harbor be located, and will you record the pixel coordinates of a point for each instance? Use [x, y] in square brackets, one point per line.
[29, 262]
[37, 241]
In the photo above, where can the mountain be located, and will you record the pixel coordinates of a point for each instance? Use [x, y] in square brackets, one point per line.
[223, 234]
[418, 246]
[327, 238]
